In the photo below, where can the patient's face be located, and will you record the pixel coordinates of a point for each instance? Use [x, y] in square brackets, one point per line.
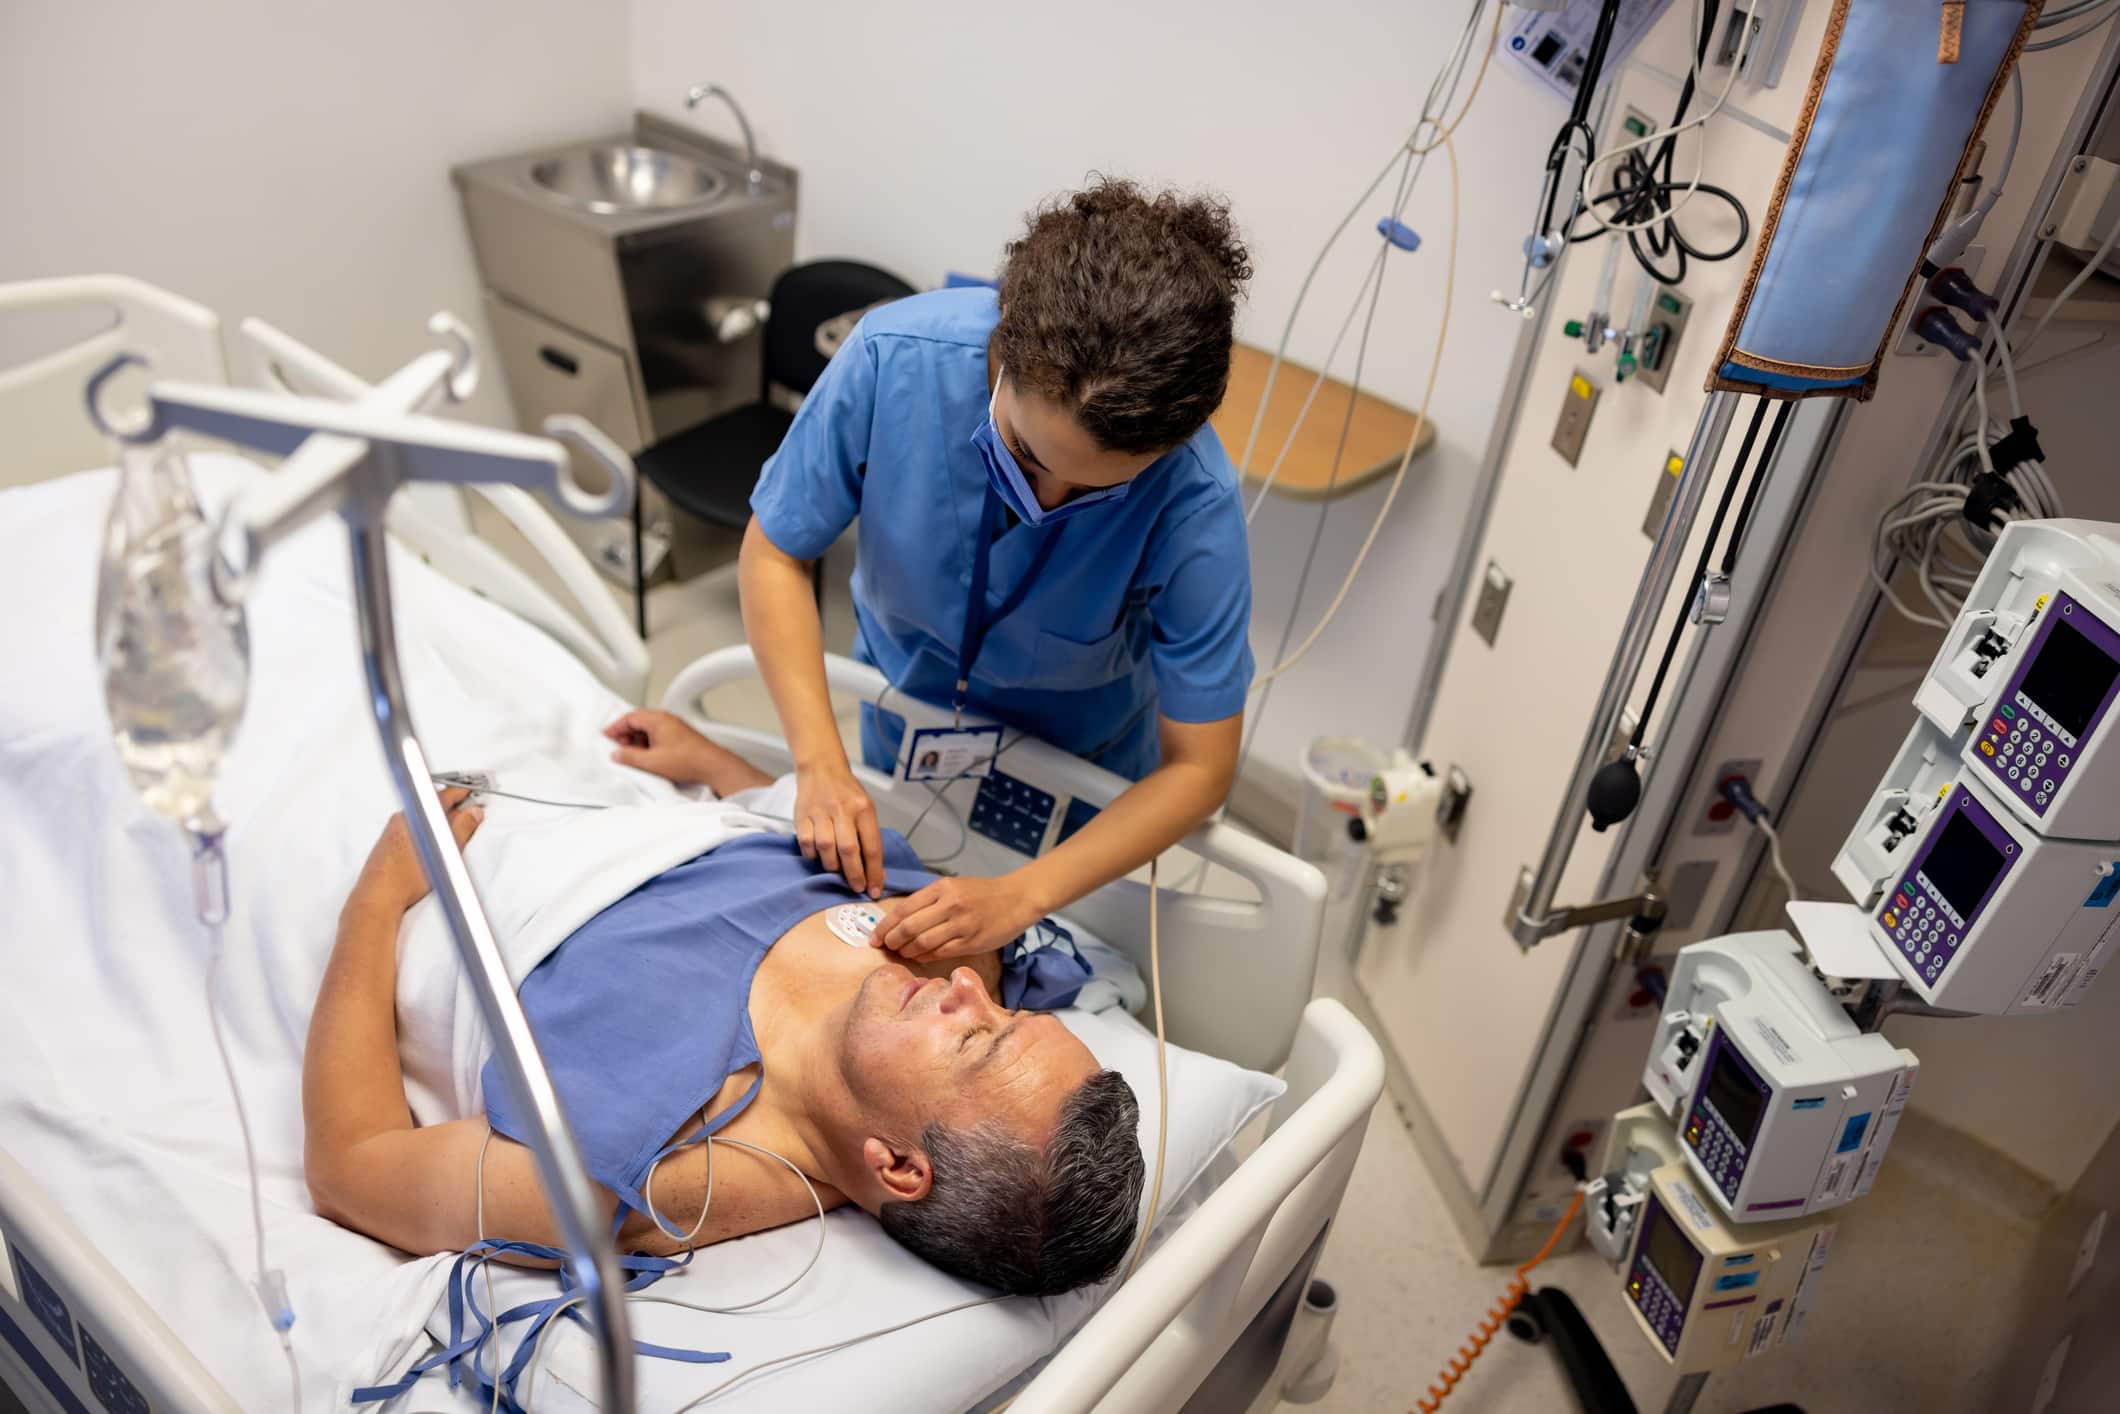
[920, 1051]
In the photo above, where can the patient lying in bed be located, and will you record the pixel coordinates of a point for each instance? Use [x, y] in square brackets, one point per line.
[715, 1000]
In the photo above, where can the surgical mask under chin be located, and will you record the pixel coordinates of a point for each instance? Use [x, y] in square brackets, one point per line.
[1015, 492]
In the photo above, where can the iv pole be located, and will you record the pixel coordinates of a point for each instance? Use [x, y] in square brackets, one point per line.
[351, 458]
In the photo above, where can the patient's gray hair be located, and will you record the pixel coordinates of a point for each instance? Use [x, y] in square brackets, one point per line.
[1000, 1213]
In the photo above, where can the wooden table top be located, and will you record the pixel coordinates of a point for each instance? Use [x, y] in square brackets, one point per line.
[1376, 438]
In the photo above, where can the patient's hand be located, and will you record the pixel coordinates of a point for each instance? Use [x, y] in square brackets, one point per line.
[392, 879]
[661, 744]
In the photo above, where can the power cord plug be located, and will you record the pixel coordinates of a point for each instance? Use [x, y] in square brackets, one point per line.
[1738, 791]
[1956, 288]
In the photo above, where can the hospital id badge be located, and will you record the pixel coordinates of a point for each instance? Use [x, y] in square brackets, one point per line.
[952, 753]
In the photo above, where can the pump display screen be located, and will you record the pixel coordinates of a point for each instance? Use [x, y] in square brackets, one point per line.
[1962, 863]
[2069, 679]
[1736, 1094]
[1671, 1256]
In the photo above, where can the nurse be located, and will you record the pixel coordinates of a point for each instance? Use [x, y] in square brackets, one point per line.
[1051, 537]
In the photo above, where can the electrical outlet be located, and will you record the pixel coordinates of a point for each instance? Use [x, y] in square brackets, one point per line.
[2087, 1253]
[1772, 25]
[1494, 598]
[1719, 816]
[1584, 1137]
[1659, 503]
[1573, 426]
[1683, 891]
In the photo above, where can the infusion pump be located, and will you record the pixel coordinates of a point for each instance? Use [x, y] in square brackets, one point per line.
[2026, 678]
[1783, 1105]
[1987, 861]
[1709, 1293]
[1974, 910]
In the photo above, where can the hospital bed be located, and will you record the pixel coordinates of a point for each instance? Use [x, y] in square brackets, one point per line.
[119, 1227]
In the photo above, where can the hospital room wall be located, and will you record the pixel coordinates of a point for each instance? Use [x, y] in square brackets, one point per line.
[924, 133]
[289, 160]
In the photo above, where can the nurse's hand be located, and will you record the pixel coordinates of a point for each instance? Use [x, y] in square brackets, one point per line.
[835, 824]
[955, 917]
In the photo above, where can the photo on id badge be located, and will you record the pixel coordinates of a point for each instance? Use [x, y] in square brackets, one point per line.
[952, 753]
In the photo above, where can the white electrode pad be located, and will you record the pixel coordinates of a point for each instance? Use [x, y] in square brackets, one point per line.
[854, 923]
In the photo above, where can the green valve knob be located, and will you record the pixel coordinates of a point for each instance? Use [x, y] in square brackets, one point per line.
[1573, 328]
[1627, 365]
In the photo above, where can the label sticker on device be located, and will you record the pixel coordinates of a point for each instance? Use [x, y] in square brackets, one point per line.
[1881, 1134]
[952, 753]
[1776, 1042]
[2052, 980]
[1763, 1329]
[2092, 966]
[1695, 1209]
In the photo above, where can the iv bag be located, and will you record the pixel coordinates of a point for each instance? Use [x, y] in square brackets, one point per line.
[175, 658]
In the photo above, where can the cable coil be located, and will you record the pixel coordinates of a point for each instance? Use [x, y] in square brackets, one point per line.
[1497, 1316]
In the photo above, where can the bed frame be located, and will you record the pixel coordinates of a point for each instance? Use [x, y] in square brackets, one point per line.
[1192, 1306]
[1206, 1316]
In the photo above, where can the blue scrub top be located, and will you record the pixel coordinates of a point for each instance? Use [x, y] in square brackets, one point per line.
[1144, 606]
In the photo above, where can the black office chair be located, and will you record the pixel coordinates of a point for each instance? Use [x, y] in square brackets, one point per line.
[710, 470]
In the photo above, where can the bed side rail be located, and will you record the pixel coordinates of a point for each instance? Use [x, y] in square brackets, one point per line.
[1236, 971]
[429, 521]
[73, 1324]
[48, 428]
[1158, 1335]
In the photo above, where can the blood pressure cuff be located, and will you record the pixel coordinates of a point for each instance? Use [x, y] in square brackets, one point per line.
[1899, 96]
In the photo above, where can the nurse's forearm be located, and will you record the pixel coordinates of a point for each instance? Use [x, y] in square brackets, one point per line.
[780, 619]
[1199, 763]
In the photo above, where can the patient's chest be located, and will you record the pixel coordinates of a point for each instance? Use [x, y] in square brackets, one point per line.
[811, 957]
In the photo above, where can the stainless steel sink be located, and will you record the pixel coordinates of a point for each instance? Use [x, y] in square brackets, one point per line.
[608, 263]
[617, 177]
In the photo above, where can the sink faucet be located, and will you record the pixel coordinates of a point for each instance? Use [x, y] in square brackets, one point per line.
[754, 179]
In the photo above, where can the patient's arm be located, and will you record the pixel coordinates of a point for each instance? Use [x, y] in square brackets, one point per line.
[371, 1169]
[355, 1119]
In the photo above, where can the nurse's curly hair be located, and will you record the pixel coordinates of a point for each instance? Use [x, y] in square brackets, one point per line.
[1122, 306]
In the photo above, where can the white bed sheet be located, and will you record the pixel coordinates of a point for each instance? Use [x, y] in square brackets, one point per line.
[110, 1095]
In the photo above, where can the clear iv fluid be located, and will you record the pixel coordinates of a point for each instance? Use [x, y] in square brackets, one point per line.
[175, 659]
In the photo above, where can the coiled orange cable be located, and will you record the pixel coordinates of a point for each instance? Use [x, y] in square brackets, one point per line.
[1512, 1296]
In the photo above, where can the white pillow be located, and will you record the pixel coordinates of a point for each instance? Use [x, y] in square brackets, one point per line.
[1213, 1098]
